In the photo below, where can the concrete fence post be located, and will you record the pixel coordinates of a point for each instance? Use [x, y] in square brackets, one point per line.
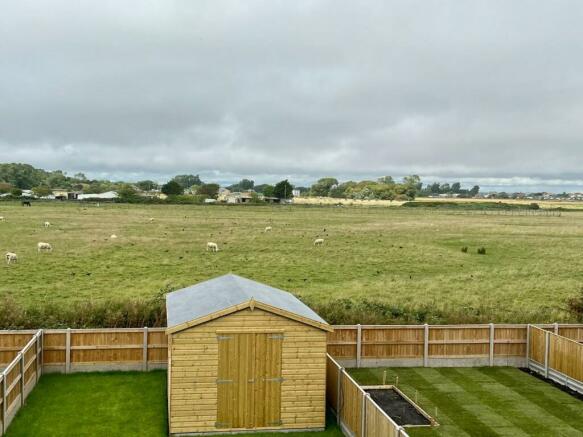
[492, 340]
[426, 345]
[547, 349]
[358, 344]
[400, 431]
[21, 356]
[68, 351]
[556, 328]
[145, 350]
[41, 356]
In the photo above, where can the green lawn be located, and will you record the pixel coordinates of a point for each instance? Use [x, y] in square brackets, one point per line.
[408, 259]
[485, 401]
[116, 404]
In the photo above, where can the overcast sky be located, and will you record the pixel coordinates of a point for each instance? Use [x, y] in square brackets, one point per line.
[483, 91]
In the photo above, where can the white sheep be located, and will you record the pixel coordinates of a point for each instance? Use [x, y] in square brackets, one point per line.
[2, 219]
[11, 257]
[113, 237]
[213, 247]
[44, 247]
[47, 224]
[268, 229]
[151, 219]
[318, 241]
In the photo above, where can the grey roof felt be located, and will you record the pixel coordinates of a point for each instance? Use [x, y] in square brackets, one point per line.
[223, 292]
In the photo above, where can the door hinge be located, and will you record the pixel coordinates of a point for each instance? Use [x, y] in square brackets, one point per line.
[276, 423]
[224, 337]
[221, 425]
[224, 381]
[276, 336]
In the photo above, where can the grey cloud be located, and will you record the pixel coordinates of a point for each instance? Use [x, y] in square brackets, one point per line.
[446, 89]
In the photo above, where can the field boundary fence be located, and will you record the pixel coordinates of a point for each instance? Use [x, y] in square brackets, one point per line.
[19, 377]
[555, 357]
[78, 350]
[437, 345]
[357, 414]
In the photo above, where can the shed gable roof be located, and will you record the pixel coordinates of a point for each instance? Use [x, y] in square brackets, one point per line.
[229, 293]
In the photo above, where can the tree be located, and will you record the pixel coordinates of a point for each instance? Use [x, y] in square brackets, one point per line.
[5, 187]
[323, 186]
[283, 190]
[147, 185]
[172, 188]
[127, 193]
[16, 192]
[388, 180]
[246, 184]
[187, 180]
[209, 190]
[456, 187]
[42, 191]
[474, 191]
[80, 176]
[411, 186]
[265, 189]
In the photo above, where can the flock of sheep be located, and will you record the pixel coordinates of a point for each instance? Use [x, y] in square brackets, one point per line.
[214, 247]
[11, 257]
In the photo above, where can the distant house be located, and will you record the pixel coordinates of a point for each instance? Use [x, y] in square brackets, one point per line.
[210, 200]
[223, 194]
[64, 194]
[238, 197]
[153, 194]
[296, 192]
[108, 195]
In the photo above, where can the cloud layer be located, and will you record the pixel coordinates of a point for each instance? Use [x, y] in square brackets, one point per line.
[447, 89]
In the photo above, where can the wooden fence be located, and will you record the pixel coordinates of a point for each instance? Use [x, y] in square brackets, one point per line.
[436, 345]
[72, 350]
[19, 377]
[357, 414]
[556, 357]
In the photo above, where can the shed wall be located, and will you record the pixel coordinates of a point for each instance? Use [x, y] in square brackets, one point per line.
[194, 370]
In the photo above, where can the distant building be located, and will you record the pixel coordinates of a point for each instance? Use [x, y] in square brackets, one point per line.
[108, 195]
[64, 194]
[296, 192]
[238, 197]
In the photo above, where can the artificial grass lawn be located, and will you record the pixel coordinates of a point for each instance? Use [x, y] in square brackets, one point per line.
[484, 402]
[406, 258]
[112, 404]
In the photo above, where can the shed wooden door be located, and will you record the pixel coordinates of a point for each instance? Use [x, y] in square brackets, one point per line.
[249, 380]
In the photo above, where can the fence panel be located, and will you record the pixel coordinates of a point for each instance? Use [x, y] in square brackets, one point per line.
[19, 378]
[537, 345]
[357, 414]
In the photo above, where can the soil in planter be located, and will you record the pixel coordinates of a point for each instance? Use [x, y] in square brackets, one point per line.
[397, 407]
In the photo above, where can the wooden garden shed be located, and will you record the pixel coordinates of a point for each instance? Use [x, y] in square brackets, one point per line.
[244, 356]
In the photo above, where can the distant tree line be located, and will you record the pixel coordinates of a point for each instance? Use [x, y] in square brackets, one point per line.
[17, 177]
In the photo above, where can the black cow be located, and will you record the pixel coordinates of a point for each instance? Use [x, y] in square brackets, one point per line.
[26, 203]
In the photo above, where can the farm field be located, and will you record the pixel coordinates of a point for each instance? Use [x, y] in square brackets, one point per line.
[112, 404]
[484, 402]
[378, 265]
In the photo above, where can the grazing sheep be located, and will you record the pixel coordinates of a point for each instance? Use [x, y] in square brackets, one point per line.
[11, 257]
[44, 247]
[151, 219]
[268, 229]
[2, 219]
[318, 241]
[47, 224]
[113, 237]
[213, 247]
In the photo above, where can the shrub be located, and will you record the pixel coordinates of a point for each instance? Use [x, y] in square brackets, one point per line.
[465, 249]
[575, 306]
[481, 251]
